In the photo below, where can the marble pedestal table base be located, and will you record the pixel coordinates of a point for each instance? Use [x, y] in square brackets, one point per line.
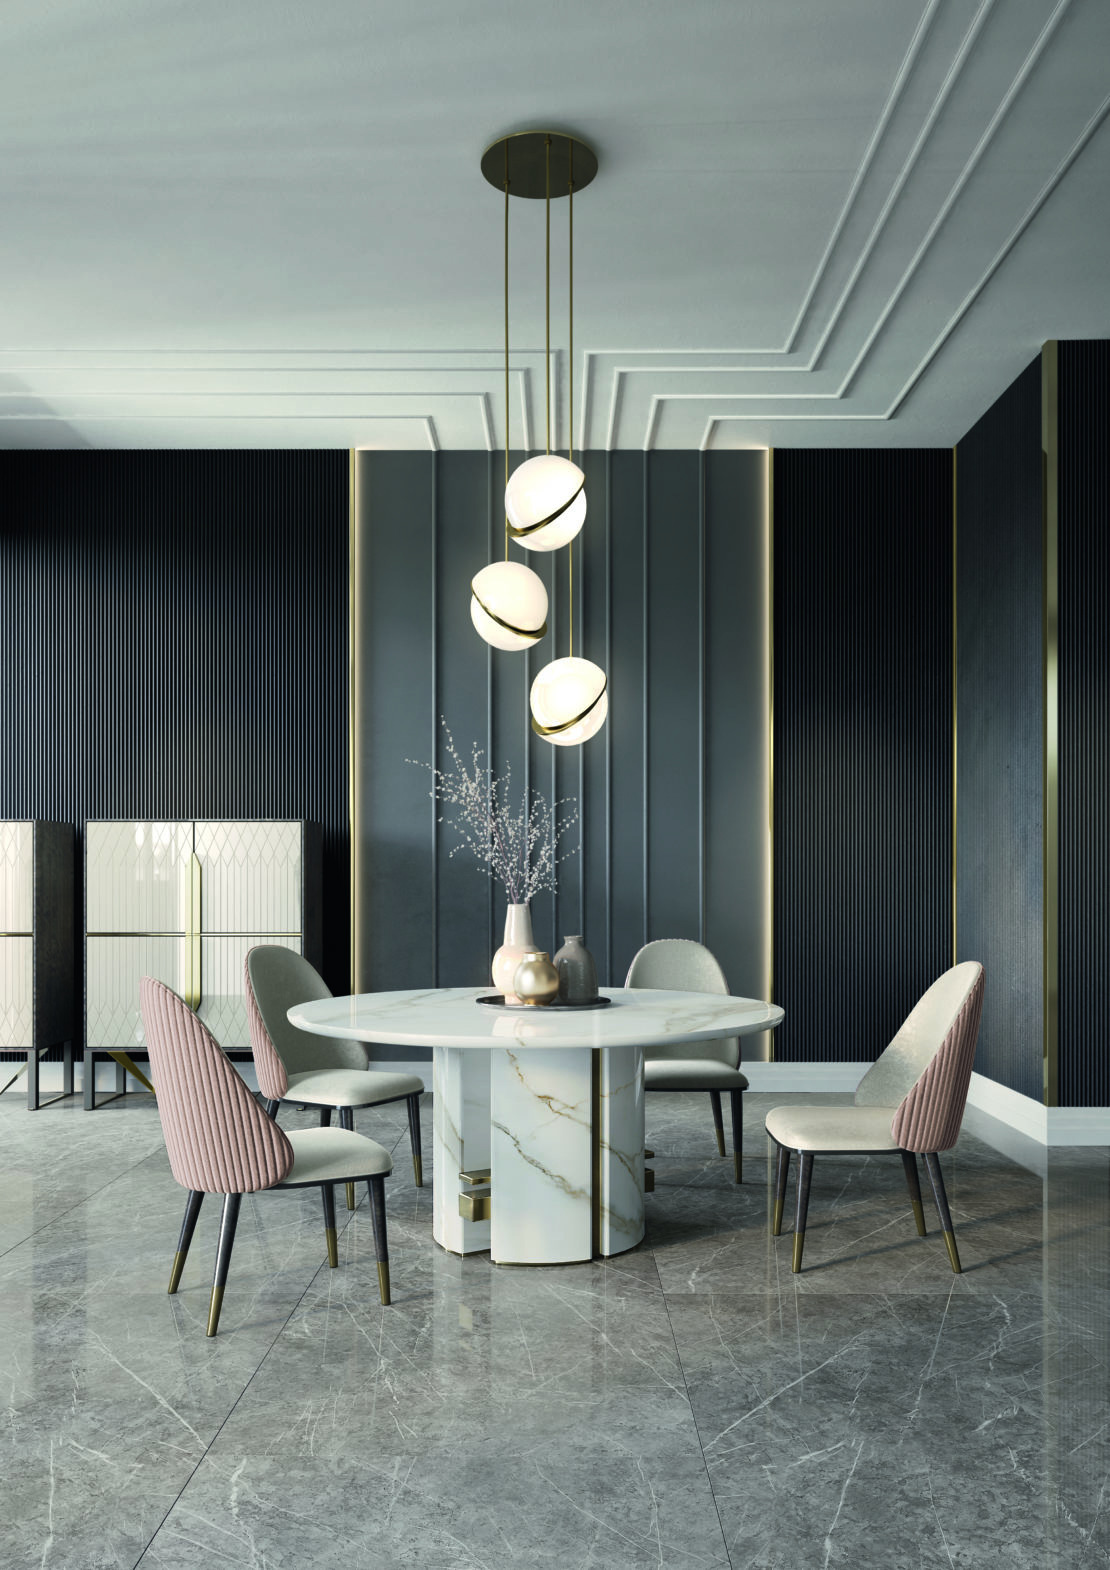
[549, 1102]
[561, 1131]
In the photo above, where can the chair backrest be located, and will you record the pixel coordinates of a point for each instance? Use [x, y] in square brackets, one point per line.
[924, 1074]
[681, 965]
[275, 979]
[219, 1139]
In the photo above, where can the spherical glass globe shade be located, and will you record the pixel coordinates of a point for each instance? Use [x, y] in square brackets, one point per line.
[569, 701]
[546, 487]
[508, 605]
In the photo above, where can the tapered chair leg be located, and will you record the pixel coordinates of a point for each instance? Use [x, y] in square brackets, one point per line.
[327, 1192]
[271, 1108]
[347, 1120]
[414, 1139]
[67, 1072]
[376, 1188]
[736, 1107]
[909, 1162]
[782, 1172]
[805, 1173]
[188, 1227]
[229, 1220]
[932, 1165]
[325, 1117]
[718, 1120]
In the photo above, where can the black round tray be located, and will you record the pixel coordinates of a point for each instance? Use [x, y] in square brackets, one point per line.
[496, 1001]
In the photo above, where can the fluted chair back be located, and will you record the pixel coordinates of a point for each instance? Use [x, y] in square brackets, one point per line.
[275, 980]
[218, 1138]
[925, 1071]
[681, 965]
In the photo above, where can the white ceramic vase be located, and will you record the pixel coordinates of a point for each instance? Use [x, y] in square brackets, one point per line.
[518, 942]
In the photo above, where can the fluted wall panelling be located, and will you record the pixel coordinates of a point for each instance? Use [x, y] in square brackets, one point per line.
[683, 756]
[173, 639]
[1000, 728]
[862, 744]
[1084, 556]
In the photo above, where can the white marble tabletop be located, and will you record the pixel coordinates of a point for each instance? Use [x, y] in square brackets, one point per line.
[450, 1017]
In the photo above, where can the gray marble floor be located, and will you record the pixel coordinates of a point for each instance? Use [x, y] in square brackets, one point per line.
[691, 1404]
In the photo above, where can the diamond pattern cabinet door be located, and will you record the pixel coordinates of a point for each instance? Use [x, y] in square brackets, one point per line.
[17, 1015]
[17, 877]
[114, 968]
[137, 877]
[251, 878]
[221, 1002]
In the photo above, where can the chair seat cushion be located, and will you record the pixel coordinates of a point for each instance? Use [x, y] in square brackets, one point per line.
[832, 1128]
[691, 1074]
[333, 1155]
[350, 1087]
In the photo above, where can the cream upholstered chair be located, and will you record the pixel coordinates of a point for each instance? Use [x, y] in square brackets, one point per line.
[315, 1071]
[680, 965]
[220, 1141]
[910, 1102]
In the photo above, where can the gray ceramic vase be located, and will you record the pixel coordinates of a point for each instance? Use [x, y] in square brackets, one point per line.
[577, 972]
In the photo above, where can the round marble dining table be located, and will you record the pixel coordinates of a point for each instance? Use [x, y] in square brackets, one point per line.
[538, 1114]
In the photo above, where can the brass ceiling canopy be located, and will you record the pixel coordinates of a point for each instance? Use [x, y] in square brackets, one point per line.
[527, 163]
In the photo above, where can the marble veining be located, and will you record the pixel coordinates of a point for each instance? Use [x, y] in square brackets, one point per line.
[685, 1404]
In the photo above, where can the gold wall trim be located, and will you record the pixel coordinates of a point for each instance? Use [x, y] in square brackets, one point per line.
[1050, 622]
[770, 527]
[352, 707]
[955, 704]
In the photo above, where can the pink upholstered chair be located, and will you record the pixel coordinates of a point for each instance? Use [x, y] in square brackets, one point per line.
[315, 1071]
[220, 1141]
[910, 1102]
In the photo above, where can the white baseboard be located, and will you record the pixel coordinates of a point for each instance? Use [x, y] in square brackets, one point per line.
[994, 1112]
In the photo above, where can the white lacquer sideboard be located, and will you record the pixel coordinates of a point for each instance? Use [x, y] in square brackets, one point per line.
[184, 901]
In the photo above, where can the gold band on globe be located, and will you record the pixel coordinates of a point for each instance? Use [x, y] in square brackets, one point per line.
[518, 632]
[557, 730]
[542, 523]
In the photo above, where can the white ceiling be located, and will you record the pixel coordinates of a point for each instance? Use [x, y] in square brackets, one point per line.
[256, 223]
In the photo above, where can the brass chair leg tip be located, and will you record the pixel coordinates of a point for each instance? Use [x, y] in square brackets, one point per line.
[214, 1310]
[333, 1248]
[737, 1169]
[720, 1145]
[919, 1217]
[776, 1223]
[796, 1263]
[175, 1273]
[418, 1171]
[383, 1283]
[953, 1254]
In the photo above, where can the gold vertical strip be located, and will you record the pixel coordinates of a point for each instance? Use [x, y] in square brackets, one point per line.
[769, 525]
[1050, 622]
[595, 1151]
[195, 977]
[352, 707]
[955, 706]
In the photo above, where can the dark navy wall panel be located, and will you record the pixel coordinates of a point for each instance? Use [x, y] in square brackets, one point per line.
[1084, 554]
[863, 744]
[173, 643]
[1000, 729]
[684, 749]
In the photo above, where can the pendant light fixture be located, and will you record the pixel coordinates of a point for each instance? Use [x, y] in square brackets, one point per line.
[545, 498]
[508, 601]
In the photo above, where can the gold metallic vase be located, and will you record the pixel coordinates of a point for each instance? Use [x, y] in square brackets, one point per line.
[536, 980]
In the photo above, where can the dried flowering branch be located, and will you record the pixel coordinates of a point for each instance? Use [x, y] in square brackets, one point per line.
[520, 846]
